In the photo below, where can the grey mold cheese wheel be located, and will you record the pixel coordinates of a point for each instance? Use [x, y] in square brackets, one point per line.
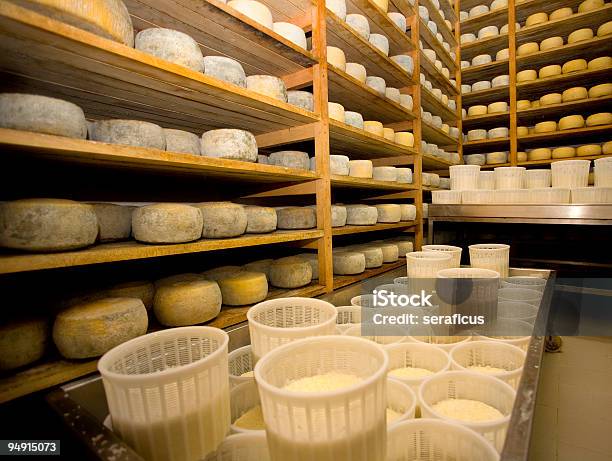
[128, 132]
[41, 114]
[167, 223]
[230, 143]
[182, 141]
[295, 217]
[171, 45]
[290, 272]
[313, 260]
[186, 277]
[373, 255]
[338, 215]
[348, 262]
[290, 159]
[354, 119]
[268, 85]
[114, 221]
[260, 219]
[22, 342]
[47, 225]
[262, 159]
[339, 164]
[187, 302]
[226, 69]
[261, 265]
[361, 215]
[141, 289]
[222, 219]
[303, 99]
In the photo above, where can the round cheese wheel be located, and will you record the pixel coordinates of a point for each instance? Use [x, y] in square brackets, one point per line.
[437, 92]
[545, 127]
[467, 38]
[385, 173]
[354, 119]
[390, 251]
[336, 111]
[393, 94]
[563, 152]
[338, 213]
[502, 54]
[128, 132]
[465, 64]
[93, 328]
[187, 302]
[438, 65]
[571, 122]
[294, 217]
[338, 164]
[47, 225]
[114, 221]
[494, 158]
[404, 175]
[590, 5]
[528, 75]
[601, 118]
[267, 85]
[359, 23]
[338, 7]
[535, 104]
[549, 71]
[499, 132]
[481, 59]
[500, 80]
[380, 42]
[303, 99]
[336, 57]
[497, 107]
[541, 153]
[182, 141]
[446, 74]
[580, 35]
[389, 213]
[260, 219]
[466, 89]
[606, 148]
[290, 272]
[42, 114]
[374, 127]
[244, 287]
[551, 98]
[361, 215]
[404, 61]
[521, 156]
[141, 289]
[522, 131]
[604, 29]
[357, 71]
[256, 11]
[603, 89]
[481, 85]
[575, 65]
[167, 223]
[263, 159]
[488, 31]
[377, 84]
[446, 128]
[603, 62]
[475, 111]
[497, 4]
[361, 168]
[476, 135]
[373, 255]
[454, 132]
[348, 262]
[290, 159]
[171, 45]
[528, 48]
[536, 18]
[561, 13]
[313, 260]
[398, 19]
[389, 134]
[588, 150]
[22, 342]
[226, 69]
[190, 277]
[478, 10]
[550, 43]
[222, 219]
[523, 104]
[475, 159]
[230, 143]
[463, 15]
[406, 101]
[574, 94]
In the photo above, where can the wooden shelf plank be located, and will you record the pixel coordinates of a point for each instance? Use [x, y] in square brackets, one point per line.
[346, 182]
[348, 230]
[358, 97]
[110, 80]
[497, 17]
[430, 41]
[489, 45]
[437, 136]
[499, 93]
[487, 120]
[559, 83]
[402, 6]
[431, 163]
[570, 137]
[13, 262]
[341, 281]
[528, 7]
[486, 145]
[556, 111]
[486, 71]
[432, 104]
[359, 50]
[449, 11]
[436, 77]
[435, 16]
[549, 161]
[495, 165]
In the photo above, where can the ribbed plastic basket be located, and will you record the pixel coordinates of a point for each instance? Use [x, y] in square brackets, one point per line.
[445, 343]
[570, 174]
[537, 178]
[509, 177]
[279, 321]
[493, 256]
[348, 316]
[446, 197]
[549, 195]
[590, 195]
[470, 386]
[243, 397]
[325, 425]
[492, 354]
[401, 399]
[401, 280]
[533, 283]
[161, 386]
[510, 331]
[603, 172]
[486, 180]
[437, 440]
[383, 339]
[516, 310]
[526, 295]
[454, 251]
[251, 446]
[417, 355]
[464, 177]
[240, 361]
[363, 300]
[426, 264]
[513, 196]
[477, 197]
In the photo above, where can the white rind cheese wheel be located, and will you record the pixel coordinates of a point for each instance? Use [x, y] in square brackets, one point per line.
[563, 152]
[536, 18]
[348, 262]
[260, 219]
[187, 302]
[226, 69]
[22, 342]
[603, 62]
[171, 45]
[541, 153]
[404, 138]
[336, 111]
[408, 212]
[290, 272]
[478, 10]
[467, 38]
[167, 223]
[481, 59]
[580, 35]
[477, 110]
[290, 159]
[114, 221]
[356, 70]
[338, 7]
[47, 225]
[598, 91]
[292, 33]
[339, 164]
[477, 135]
[404, 61]
[399, 19]
[550, 43]
[482, 85]
[528, 48]
[474, 159]
[590, 5]
[141, 289]
[488, 31]
[261, 265]
[361, 215]
[374, 127]
[41, 114]
[128, 132]
[551, 98]
[545, 127]
[385, 173]
[404, 175]
[549, 71]
[389, 134]
[303, 99]
[268, 85]
[571, 122]
[498, 132]
[466, 88]
[389, 213]
[465, 64]
[182, 141]
[497, 107]
[561, 13]
[404, 246]
[222, 219]
[502, 54]
[522, 131]
[393, 94]
[91, 329]
[262, 159]
[575, 94]
[336, 57]
[295, 217]
[575, 65]
[605, 29]
[500, 80]
[380, 42]
[354, 119]
[256, 11]
[361, 168]
[230, 143]
[359, 23]
[313, 260]
[528, 75]
[601, 118]
[390, 252]
[338, 215]
[242, 288]
[373, 255]
[588, 150]
[377, 84]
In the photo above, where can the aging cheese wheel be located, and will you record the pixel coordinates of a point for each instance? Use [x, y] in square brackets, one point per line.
[404, 138]
[477, 110]
[361, 215]
[385, 173]
[502, 54]
[356, 70]
[431, 54]
[500, 80]
[482, 85]
[563, 152]
[536, 18]
[185, 303]
[114, 221]
[354, 119]
[478, 10]
[575, 94]
[561, 13]
[361, 168]
[423, 13]
[390, 252]
[128, 132]
[380, 42]
[528, 75]
[268, 85]
[528, 48]
[226, 69]
[497, 107]
[598, 91]
[256, 11]
[338, 164]
[541, 153]
[604, 29]
[399, 19]
[260, 219]
[389, 134]
[465, 64]
[338, 7]
[222, 219]
[601, 118]
[550, 71]
[290, 159]
[467, 38]
[570, 122]
[590, 5]
[550, 43]
[167, 223]
[551, 98]
[521, 156]
[522, 131]
[22, 342]
[463, 15]
[377, 84]
[476, 135]
[303, 99]
[336, 57]
[47, 225]
[474, 159]
[466, 88]
[41, 114]
[291, 32]
[348, 262]
[373, 255]
[215, 274]
[374, 127]
[588, 149]
[498, 132]
[545, 127]
[580, 35]
[182, 141]
[404, 246]
[313, 260]
[393, 94]
[243, 288]
[295, 217]
[359, 23]
[382, 4]
[404, 61]
[90, 329]
[488, 31]
[408, 212]
[535, 104]
[389, 213]
[230, 143]
[603, 62]
[263, 159]
[575, 65]
[171, 45]
[290, 272]
[261, 265]
[338, 215]
[404, 175]
[141, 289]
[606, 148]
[336, 111]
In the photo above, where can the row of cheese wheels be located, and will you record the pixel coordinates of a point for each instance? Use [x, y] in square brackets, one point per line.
[480, 134]
[584, 150]
[337, 58]
[563, 13]
[432, 56]
[481, 9]
[579, 35]
[573, 65]
[434, 26]
[437, 122]
[436, 151]
[568, 95]
[490, 158]
[571, 122]
[497, 107]
[485, 32]
[439, 94]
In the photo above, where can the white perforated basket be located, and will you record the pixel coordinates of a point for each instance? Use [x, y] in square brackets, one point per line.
[437, 440]
[251, 446]
[470, 386]
[591, 195]
[363, 300]
[243, 397]
[486, 180]
[446, 197]
[464, 177]
[549, 195]
[510, 331]
[416, 355]
[537, 178]
[382, 339]
[493, 256]
[509, 177]
[279, 321]
[477, 197]
[325, 425]
[603, 172]
[401, 399]
[445, 343]
[426, 264]
[522, 281]
[570, 174]
[161, 386]
[490, 354]
[454, 251]
[240, 361]
[348, 316]
[525, 295]
[513, 196]
[516, 310]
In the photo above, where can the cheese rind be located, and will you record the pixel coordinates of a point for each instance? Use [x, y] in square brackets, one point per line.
[361, 168]
[22, 342]
[374, 127]
[536, 18]
[290, 272]
[359, 23]
[222, 219]
[603, 62]
[404, 138]
[561, 13]
[528, 75]
[575, 65]
[187, 302]
[226, 69]
[261, 265]
[590, 5]
[549, 71]
[598, 91]
[303, 99]
[588, 149]
[141, 289]
[354, 119]
[551, 98]
[550, 43]
[336, 111]
[171, 45]
[313, 260]
[563, 152]
[605, 29]
[230, 143]
[348, 262]
[114, 221]
[601, 118]
[570, 122]
[268, 85]
[128, 132]
[372, 253]
[291, 32]
[357, 71]
[167, 223]
[260, 219]
[290, 159]
[389, 213]
[336, 57]
[295, 217]
[338, 215]
[182, 141]
[575, 94]
[385, 173]
[540, 153]
[243, 288]
[258, 12]
[361, 215]
[528, 48]
[545, 127]
[377, 84]
[580, 35]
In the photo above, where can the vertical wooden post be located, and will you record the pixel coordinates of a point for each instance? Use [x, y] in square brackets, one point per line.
[417, 129]
[458, 100]
[512, 71]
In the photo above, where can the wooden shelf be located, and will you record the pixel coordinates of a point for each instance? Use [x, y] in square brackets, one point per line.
[13, 262]
[435, 16]
[486, 71]
[55, 371]
[486, 145]
[556, 111]
[487, 120]
[436, 77]
[430, 41]
[528, 7]
[402, 6]
[497, 17]
[357, 49]
[432, 104]
[356, 143]
[358, 97]
[345, 280]
[489, 45]
[111, 80]
[449, 11]
[568, 137]
[348, 230]
[437, 136]
[549, 161]
[559, 83]
[495, 165]
[220, 29]
[350, 182]
[431, 163]
[499, 93]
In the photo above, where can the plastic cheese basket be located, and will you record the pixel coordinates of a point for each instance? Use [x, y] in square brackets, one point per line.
[417, 355]
[243, 397]
[401, 399]
[240, 361]
[493, 256]
[348, 316]
[251, 446]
